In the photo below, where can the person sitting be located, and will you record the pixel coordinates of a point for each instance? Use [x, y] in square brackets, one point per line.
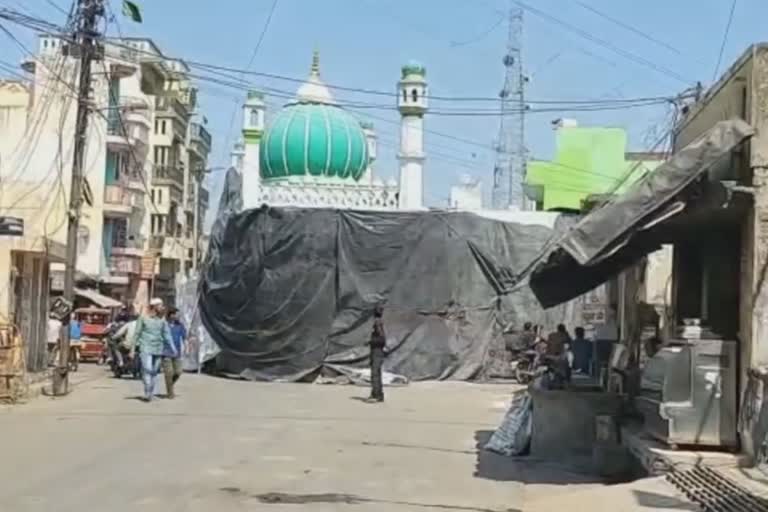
[558, 341]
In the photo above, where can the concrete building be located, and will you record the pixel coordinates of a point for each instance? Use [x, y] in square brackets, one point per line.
[466, 195]
[25, 260]
[141, 151]
[180, 144]
[588, 161]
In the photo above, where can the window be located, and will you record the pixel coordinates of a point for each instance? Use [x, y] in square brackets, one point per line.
[163, 126]
[415, 95]
[114, 92]
[157, 224]
[153, 196]
[157, 126]
[405, 96]
[161, 155]
[254, 117]
[159, 196]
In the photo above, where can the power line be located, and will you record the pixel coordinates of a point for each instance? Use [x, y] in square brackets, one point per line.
[58, 7]
[256, 48]
[602, 42]
[565, 107]
[725, 40]
[231, 72]
[629, 27]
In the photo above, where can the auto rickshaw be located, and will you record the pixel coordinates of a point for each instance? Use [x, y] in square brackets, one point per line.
[94, 325]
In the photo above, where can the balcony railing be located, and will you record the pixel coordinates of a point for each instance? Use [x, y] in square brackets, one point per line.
[134, 107]
[156, 242]
[198, 133]
[124, 264]
[114, 126]
[117, 195]
[168, 173]
[171, 104]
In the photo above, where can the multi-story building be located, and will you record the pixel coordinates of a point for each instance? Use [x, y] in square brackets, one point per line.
[139, 145]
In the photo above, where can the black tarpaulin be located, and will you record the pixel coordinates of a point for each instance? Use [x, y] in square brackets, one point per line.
[288, 292]
[617, 235]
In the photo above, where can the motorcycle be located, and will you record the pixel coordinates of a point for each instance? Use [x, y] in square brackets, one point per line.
[551, 373]
[524, 365]
[121, 362]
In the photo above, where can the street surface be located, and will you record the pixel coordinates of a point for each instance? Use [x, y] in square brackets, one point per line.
[226, 445]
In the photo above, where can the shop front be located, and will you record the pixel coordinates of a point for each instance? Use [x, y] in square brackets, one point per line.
[686, 386]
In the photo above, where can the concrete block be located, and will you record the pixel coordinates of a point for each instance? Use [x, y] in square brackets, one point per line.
[564, 421]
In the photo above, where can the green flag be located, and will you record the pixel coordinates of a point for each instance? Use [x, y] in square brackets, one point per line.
[131, 10]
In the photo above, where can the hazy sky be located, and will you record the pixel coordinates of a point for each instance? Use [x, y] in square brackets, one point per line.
[363, 43]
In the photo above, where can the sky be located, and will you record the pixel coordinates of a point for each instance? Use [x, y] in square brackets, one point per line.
[669, 46]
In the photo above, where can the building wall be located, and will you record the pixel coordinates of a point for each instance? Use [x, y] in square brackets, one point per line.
[743, 92]
[467, 195]
[588, 161]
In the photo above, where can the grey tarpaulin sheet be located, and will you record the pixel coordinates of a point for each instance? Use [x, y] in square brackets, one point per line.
[605, 227]
[598, 247]
[201, 347]
[289, 292]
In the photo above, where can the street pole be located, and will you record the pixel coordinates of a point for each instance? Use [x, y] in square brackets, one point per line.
[86, 35]
[196, 223]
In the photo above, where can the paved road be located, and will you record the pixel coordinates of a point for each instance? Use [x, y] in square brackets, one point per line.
[227, 445]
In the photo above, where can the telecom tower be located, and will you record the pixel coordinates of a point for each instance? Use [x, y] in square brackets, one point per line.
[509, 171]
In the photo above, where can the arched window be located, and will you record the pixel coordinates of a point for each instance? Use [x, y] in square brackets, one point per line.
[254, 117]
[414, 95]
[405, 96]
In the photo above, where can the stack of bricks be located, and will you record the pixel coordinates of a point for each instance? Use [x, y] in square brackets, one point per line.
[11, 364]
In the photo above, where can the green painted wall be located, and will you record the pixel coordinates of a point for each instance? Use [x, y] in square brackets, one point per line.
[587, 161]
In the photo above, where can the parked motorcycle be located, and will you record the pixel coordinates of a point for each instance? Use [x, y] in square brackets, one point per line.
[523, 361]
[551, 373]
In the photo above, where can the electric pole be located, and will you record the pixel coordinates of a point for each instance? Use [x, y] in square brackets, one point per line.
[196, 224]
[509, 169]
[85, 41]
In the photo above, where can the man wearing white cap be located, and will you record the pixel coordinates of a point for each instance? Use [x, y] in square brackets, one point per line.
[151, 336]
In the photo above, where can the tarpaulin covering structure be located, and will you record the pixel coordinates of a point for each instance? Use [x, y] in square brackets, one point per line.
[617, 235]
[289, 292]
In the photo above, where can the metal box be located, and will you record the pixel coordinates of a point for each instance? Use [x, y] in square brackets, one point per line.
[688, 393]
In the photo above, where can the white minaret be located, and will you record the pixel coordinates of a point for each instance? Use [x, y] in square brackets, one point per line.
[412, 104]
[238, 155]
[253, 129]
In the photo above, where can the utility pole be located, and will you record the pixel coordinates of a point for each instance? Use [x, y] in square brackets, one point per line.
[196, 223]
[85, 40]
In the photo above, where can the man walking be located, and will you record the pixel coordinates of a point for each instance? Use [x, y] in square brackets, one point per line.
[151, 336]
[172, 362]
[53, 336]
[378, 342]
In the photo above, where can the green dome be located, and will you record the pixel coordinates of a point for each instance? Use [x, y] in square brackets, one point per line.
[313, 139]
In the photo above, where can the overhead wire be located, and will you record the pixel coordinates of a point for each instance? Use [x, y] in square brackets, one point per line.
[232, 73]
[30, 141]
[575, 105]
[725, 40]
[602, 42]
[254, 53]
[629, 27]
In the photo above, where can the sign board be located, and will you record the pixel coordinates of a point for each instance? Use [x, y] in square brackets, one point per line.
[60, 308]
[11, 226]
